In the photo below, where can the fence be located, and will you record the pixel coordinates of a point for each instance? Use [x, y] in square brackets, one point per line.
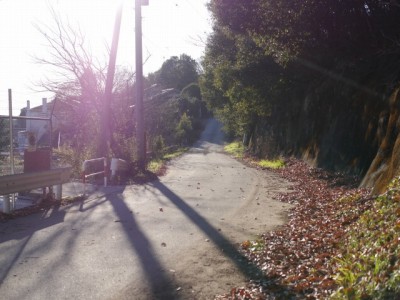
[34, 132]
[90, 168]
[24, 132]
[18, 134]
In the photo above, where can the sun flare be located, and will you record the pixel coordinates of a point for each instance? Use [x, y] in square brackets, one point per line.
[170, 28]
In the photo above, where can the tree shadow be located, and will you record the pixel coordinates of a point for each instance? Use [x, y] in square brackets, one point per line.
[161, 285]
[25, 230]
[88, 204]
[246, 267]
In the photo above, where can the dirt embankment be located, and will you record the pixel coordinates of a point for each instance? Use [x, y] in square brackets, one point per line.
[339, 127]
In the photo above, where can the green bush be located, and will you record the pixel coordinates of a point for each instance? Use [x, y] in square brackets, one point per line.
[235, 149]
[184, 130]
[271, 164]
[158, 146]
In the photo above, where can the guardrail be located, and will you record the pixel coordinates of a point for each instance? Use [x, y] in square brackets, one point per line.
[11, 184]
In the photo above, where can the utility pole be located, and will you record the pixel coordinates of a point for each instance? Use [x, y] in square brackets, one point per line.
[140, 130]
[106, 125]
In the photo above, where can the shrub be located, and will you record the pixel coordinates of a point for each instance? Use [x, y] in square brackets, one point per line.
[184, 130]
[158, 146]
[370, 265]
[69, 156]
[235, 149]
[271, 164]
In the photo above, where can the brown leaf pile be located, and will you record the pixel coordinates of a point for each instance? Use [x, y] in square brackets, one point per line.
[297, 259]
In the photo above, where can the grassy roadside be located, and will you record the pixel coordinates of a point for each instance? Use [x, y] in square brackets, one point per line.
[237, 150]
[340, 242]
[369, 263]
[158, 165]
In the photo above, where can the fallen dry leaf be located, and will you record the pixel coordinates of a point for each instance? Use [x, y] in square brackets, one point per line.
[297, 259]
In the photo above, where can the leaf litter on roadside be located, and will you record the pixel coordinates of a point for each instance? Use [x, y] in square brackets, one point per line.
[296, 259]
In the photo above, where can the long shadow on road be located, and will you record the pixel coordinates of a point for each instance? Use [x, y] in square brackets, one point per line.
[25, 233]
[162, 286]
[247, 268]
[213, 234]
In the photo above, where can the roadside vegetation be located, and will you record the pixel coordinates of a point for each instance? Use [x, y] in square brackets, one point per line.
[312, 79]
[369, 263]
[94, 123]
[174, 119]
[158, 165]
[238, 150]
[271, 164]
[340, 242]
[287, 79]
[4, 133]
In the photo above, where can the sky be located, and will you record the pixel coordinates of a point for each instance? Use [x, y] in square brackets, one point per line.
[170, 28]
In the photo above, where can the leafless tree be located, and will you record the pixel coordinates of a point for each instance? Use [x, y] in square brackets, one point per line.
[81, 80]
[73, 64]
[78, 78]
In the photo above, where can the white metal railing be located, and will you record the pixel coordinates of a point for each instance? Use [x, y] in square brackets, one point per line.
[86, 173]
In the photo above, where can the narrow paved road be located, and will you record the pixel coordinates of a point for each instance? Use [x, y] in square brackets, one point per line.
[175, 238]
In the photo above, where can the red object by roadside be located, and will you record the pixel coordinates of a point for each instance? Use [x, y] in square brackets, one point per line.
[38, 160]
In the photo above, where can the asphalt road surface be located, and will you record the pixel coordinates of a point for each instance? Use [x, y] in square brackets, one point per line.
[176, 238]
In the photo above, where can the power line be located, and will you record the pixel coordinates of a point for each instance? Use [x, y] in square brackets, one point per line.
[191, 5]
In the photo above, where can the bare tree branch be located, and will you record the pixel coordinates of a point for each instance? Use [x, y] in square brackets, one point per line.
[69, 56]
